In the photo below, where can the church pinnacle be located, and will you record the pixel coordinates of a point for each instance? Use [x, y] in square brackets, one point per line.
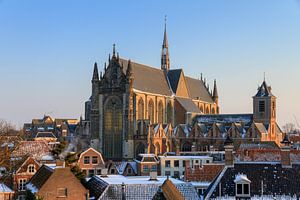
[165, 61]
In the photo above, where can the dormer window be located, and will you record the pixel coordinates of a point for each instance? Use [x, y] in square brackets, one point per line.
[242, 185]
[30, 169]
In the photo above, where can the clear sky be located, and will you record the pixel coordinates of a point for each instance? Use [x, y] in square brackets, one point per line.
[47, 49]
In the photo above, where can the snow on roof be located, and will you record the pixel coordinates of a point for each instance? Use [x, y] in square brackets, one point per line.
[127, 180]
[241, 178]
[200, 184]
[4, 188]
[32, 188]
[186, 157]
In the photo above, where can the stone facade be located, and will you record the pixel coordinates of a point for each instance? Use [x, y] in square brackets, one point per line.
[128, 97]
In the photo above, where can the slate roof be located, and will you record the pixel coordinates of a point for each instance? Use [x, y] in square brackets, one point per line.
[198, 90]
[45, 134]
[275, 179]
[225, 118]
[96, 186]
[264, 90]
[154, 80]
[173, 76]
[5, 189]
[137, 187]
[148, 79]
[40, 177]
[122, 166]
[188, 105]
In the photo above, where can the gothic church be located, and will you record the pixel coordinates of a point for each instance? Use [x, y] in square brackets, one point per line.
[129, 97]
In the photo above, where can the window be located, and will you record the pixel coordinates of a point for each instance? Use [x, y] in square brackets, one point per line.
[167, 173]
[129, 171]
[145, 168]
[183, 163]
[112, 171]
[176, 163]
[160, 112]
[246, 189]
[176, 174]
[153, 168]
[207, 161]
[62, 192]
[21, 197]
[261, 106]
[242, 185]
[30, 169]
[168, 163]
[141, 109]
[91, 173]
[196, 161]
[95, 160]
[98, 171]
[151, 111]
[86, 160]
[201, 191]
[239, 188]
[22, 183]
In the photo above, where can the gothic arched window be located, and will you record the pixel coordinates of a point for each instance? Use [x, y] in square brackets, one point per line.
[113, 126]
[213, 111]
[207, 110]
[186, 147]
[169, 112]
[201, 109]
[160, 112]
[139, 149]
[151, 111]
[141, 109]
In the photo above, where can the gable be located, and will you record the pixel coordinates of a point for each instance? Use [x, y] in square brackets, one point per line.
[75, 189]
[26, 163]
[91, 152]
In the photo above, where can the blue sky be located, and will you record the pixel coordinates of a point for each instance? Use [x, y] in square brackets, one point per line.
[47, 49]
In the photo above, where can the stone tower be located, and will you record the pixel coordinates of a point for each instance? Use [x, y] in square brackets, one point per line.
[94, 113]
[264, 110]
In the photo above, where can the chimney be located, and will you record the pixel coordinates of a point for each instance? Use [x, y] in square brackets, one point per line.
[177, 150]
[228, 145]
[153, 176]
[104, 172]
[194, 148]
[285, 152]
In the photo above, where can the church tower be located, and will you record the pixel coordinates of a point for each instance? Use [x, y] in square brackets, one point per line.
[165, 60]
[264, 109]
[94, 114]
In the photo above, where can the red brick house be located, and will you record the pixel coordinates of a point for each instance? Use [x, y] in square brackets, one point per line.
[23, 175]
[147, 163]
[91, 162]
[61, 183]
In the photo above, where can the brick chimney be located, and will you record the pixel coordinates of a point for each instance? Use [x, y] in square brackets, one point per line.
[177, 150]
[228, 145]
[285, 152]
[194, 147]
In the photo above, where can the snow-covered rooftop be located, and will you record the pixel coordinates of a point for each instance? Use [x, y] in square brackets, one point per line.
[127, 180]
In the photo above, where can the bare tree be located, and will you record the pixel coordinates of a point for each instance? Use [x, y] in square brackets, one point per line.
[6, 128]
[290, 128]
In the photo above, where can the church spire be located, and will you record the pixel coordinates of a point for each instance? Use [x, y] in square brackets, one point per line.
[165, 61]
[95, 73]
[215, 92]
